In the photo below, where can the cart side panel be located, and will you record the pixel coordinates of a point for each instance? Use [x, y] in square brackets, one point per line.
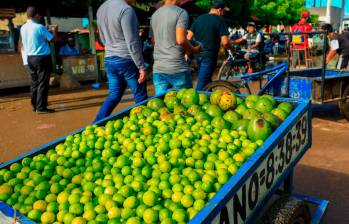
[240, 200]
[300, 88]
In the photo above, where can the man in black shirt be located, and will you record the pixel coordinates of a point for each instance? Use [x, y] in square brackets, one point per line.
[211, 31]
[339, 45]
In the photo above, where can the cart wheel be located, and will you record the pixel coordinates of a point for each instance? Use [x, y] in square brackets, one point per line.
[224, 71]
[344, 104]
[288, 210]
[227, 71]
[225, 85]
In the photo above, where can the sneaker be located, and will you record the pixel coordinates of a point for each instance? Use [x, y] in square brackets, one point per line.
[45, 111]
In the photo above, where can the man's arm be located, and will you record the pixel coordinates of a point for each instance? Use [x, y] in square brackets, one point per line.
[47, 34]
[181, 38]
[129, 24]
[151, 33]
[330, 56]
[333, 50]
[240, 40]
[181, 34]
[100, 34]
[225, 41]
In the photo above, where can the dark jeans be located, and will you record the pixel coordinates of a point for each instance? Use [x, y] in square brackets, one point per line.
[121, 72]
[40, 68]
[207, 66]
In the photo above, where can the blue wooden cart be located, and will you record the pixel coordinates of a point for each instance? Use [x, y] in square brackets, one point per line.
[318, 84]
[262, 189]
[322, 86]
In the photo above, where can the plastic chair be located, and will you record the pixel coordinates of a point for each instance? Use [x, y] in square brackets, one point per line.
[299, 45]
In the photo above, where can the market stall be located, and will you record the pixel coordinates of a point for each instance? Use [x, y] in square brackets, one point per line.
[12, 72]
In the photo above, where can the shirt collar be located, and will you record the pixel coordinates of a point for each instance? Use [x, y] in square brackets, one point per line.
[31, 21]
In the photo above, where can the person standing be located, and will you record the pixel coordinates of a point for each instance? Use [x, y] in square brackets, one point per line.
[213, 34]
[169, 33]
[339, 45]
[35, 40]
[300, 41]
[124, 64]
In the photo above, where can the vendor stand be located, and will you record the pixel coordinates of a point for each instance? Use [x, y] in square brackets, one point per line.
[12, 72]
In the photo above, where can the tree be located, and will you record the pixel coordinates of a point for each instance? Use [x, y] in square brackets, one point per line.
[238, 9]
[278, 11]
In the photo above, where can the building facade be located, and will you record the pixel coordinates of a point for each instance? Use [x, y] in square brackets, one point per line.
[335, 12]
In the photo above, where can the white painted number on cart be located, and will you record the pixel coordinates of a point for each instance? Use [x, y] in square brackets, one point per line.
[240, 207]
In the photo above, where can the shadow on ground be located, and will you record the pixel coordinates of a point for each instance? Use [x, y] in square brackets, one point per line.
[313, 182]
[327, 112]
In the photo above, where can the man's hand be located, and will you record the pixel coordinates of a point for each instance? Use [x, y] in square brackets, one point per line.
[142, 76]
[53, 29]
[197, 49]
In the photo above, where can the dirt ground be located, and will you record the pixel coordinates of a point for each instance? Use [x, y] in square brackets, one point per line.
[323, 172]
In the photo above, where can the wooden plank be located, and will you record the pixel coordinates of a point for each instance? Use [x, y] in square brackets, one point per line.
[7, 13]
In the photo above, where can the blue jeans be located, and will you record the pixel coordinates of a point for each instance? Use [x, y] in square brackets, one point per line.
[207, 66]
[164, 82]
[121, 72]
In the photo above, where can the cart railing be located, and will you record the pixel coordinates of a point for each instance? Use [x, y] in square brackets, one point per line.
[277, 71]
[287, 57]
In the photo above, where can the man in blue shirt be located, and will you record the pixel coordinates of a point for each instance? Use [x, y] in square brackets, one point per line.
[35, 40]
[69, 49]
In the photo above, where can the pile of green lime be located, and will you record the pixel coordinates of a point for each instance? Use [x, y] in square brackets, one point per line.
[160, 164]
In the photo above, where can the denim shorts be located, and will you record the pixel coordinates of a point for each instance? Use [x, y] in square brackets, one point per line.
[164, 82]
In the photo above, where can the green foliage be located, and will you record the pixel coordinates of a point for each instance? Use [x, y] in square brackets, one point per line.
[238, 9]
[205, 5]
[314, 18]
[278, 11]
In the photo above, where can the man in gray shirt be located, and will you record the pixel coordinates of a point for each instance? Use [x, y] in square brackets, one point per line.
[169, 30]
[124, 64]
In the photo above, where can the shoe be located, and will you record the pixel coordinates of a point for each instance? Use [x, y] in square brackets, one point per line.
[45, 111]
[33, 109]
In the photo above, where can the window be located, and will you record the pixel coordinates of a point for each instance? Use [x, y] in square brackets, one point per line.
[346, 8]
[337, 3]
[323, 3]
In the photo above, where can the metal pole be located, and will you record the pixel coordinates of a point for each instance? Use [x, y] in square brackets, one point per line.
[328, 11]
[12, 34]
[92, 44]
[289, 64]
[52, 44]
[323, 71]
[92, 30]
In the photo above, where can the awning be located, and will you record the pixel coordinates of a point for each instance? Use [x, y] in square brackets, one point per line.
[7, 13]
